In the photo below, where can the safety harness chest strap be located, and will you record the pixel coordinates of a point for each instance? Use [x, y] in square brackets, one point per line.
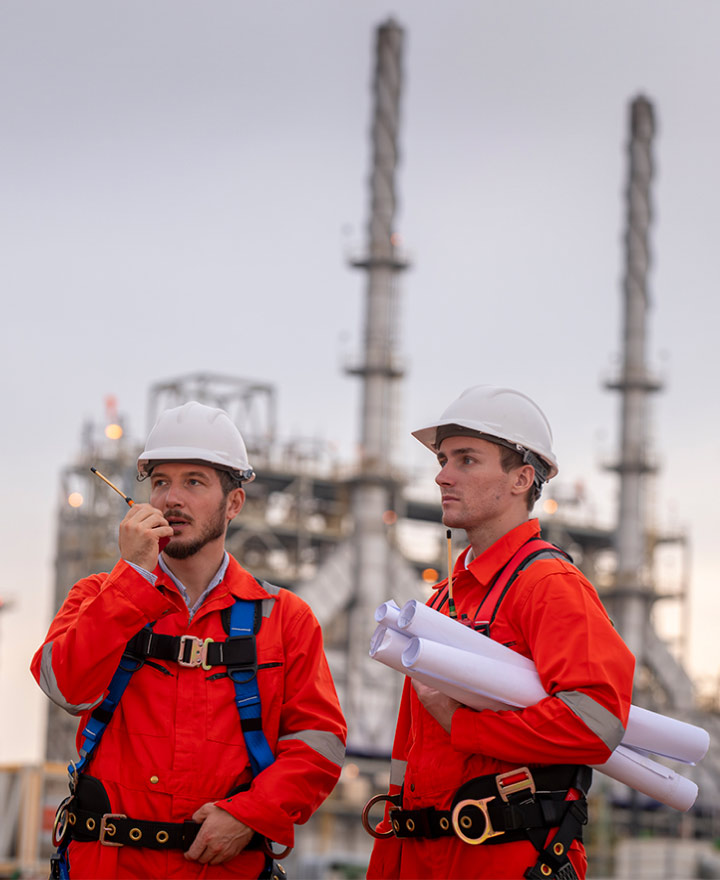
[190, 650]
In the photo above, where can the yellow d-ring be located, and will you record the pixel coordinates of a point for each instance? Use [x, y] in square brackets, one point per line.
[459, 822]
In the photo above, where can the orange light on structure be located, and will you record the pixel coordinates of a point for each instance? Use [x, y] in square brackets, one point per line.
[113, 431]
[550, 506]
[430, 576]
[75, 499]
[389, 517]
[351, 771]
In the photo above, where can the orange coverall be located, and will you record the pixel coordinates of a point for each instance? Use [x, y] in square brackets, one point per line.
[553, 615]
[175, 742]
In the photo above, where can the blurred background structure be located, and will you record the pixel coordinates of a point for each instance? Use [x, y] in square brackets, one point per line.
[349, 536]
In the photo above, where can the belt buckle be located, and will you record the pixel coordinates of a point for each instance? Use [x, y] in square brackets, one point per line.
[195, 651]
[108, 829]
[198, 651]
[508, 783]
[459, 822]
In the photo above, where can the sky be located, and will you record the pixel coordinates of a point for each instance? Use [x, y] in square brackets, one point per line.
[182, 182]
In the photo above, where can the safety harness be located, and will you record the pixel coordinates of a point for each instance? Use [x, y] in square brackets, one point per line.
[521, 804]
[85, 815]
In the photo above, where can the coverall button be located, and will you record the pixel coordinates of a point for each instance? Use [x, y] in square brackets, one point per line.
[412, 786]
[154, 779]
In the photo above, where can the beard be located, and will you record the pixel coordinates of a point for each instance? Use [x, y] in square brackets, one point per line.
[214, 529]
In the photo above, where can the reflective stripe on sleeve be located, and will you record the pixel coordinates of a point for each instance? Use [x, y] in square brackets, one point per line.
[326, 744]
[600, 720]
[49, 685]
[397, 771]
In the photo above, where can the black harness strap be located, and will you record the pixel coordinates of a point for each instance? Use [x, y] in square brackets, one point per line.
[234, 651]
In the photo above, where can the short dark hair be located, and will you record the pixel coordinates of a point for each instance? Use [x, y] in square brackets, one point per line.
[511, 459]
[228, 481]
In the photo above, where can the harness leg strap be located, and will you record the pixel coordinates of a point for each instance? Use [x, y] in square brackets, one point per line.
[553, 862]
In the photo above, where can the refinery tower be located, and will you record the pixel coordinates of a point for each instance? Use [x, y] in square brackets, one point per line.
[333, 534]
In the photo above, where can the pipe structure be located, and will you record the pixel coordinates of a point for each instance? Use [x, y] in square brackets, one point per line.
[374, 487]
[632, 595]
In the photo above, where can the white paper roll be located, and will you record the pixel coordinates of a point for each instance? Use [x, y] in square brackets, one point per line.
[473, 673]
[454, 669]
[661, 735]
[387, 646]
[387, 614]
[649, 731]
[416, 619]
[650, 778]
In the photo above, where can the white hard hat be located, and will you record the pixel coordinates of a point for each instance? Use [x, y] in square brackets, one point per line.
[196, 432]
[501, 415]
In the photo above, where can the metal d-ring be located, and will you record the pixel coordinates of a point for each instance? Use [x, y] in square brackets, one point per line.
[366, 814]
[62, 820]
[267, 848]
[458, 822]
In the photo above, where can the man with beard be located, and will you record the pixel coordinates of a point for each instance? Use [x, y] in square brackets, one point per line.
[228, 731]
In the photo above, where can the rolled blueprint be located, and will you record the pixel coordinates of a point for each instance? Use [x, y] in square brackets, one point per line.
[457, 669]
[661, 735]
[489, 678]
[499, 679]
[648, 777]
[387, 614]
[387, 646]
[416, 619]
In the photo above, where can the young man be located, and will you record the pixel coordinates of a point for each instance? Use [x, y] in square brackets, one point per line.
[522, 770]
[182, 783]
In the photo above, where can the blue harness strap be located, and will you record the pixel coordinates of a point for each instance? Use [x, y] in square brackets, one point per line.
[247, 694]
[101, 716]
[92, 733]
[247, 700]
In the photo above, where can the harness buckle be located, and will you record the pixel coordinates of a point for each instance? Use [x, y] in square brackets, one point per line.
[514, 781]
[204, 652]
[465, 822]
[198, 652]
[109, 829]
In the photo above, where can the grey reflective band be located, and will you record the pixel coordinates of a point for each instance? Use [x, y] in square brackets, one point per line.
[50, 688]
[326, 744]
[600, 720]
[397, 771]
[270, 588]
[268, 604]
